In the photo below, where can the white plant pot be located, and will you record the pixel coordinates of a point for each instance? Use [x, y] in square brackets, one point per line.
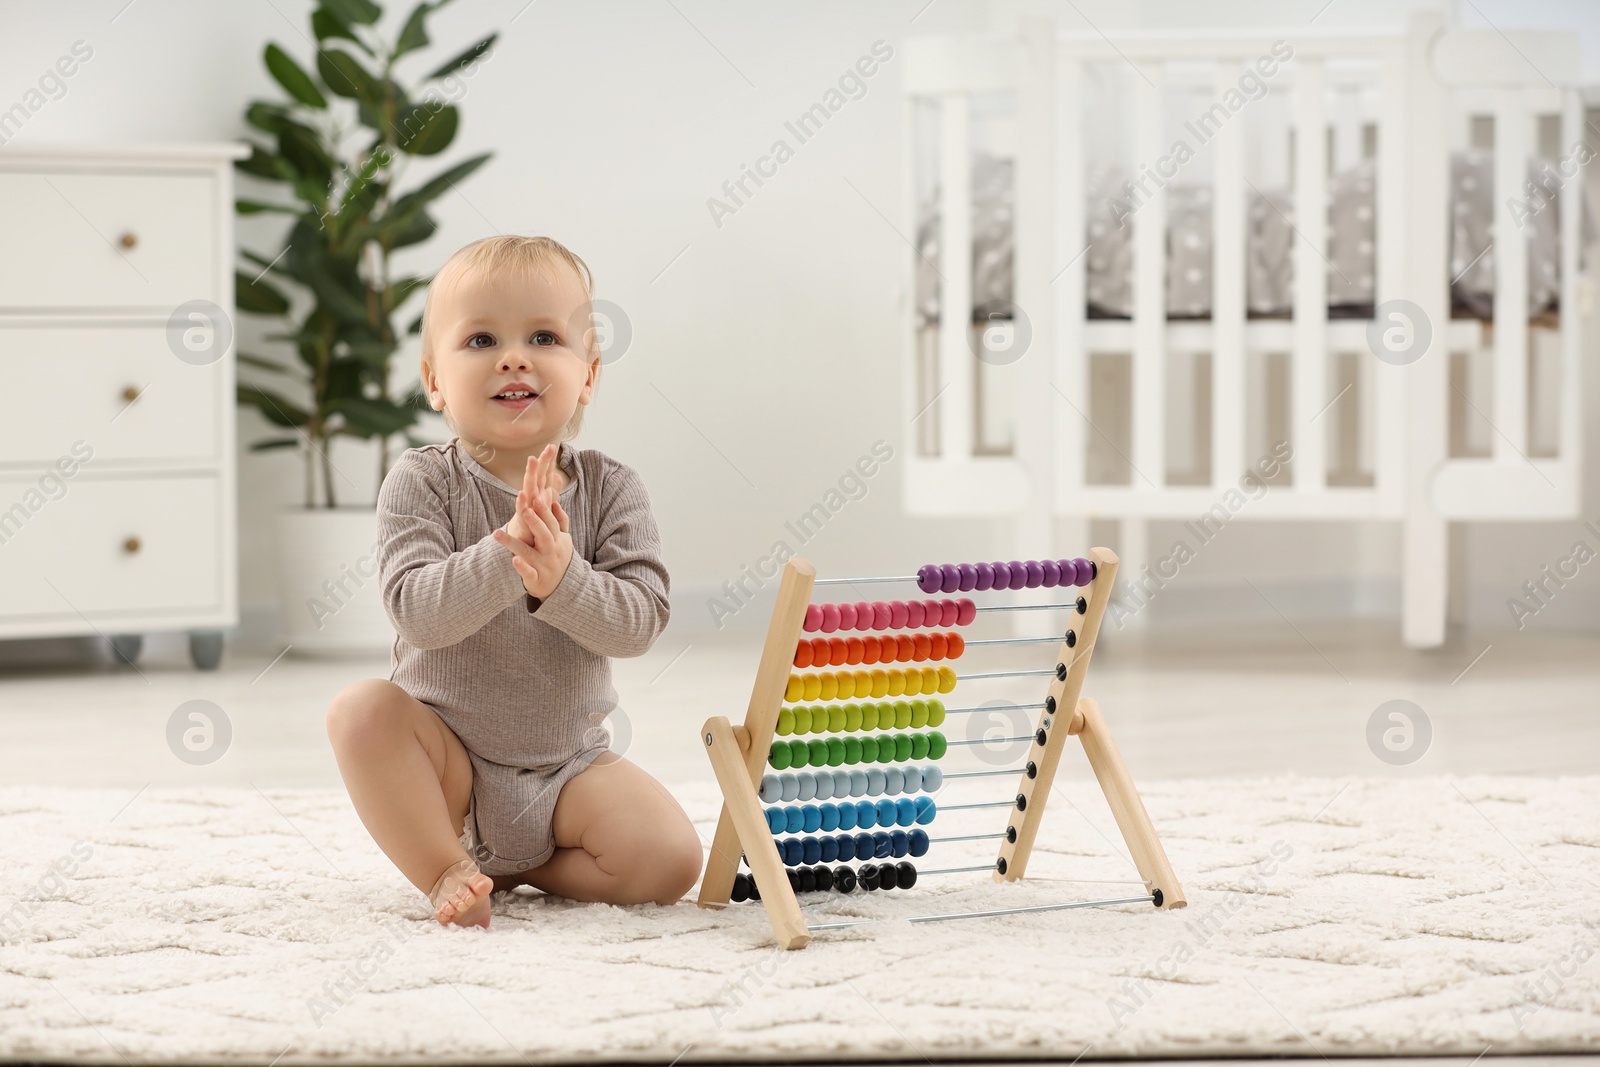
[328, 577]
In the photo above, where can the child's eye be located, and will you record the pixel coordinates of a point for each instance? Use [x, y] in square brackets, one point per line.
[545, 337]
[473, 341]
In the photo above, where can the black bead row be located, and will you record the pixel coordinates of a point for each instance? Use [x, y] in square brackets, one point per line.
[868, 876]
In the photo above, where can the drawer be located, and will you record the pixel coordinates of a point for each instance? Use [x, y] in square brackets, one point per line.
[72, 383]
[109, 545]
[107, 239]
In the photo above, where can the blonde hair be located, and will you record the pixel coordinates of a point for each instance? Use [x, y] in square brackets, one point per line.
[512, 252]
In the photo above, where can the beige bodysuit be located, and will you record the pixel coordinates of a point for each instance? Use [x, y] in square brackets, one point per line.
[525, 684]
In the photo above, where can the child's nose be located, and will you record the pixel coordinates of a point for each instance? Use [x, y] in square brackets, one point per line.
[515, 356]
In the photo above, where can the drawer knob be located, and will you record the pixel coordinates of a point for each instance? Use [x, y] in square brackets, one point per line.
[129, 240]
[130, 393]
[131, 545]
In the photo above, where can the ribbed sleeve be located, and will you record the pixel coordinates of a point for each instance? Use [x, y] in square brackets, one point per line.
[435, 593]
[617, 604]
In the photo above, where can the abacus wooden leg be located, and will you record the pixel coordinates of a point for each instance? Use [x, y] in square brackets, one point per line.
[743, 806]
[748, 747]
[1132, 819]
[1072, 664]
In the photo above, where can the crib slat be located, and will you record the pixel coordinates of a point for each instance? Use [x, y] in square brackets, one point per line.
[1572, 388]
[955, 288]
[1310, 375]
[1071, 360]
[1149, 284]
[1227, 292]
[1035, 245]
[1389, 198]
[1513, 139]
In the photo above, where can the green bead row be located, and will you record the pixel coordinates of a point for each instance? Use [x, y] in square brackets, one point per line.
[850, 718]
[838, 751]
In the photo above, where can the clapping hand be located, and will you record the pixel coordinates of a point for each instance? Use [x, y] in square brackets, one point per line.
[537, 535]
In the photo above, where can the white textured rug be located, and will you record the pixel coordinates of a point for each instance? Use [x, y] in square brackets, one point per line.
[1426, 916]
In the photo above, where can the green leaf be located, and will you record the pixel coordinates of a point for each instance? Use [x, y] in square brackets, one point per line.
[374, 114]
[257, 297]
[343, 381]
[266, 117]
[397, 231]
[416, 324]
[438, 185]
[344, 75]
[264, 364]
[471, 55]
[327, 27]
[353, 12]
[256, 207]
[276, 442]
[264, 164]
[335, 280]
[314, 194]
[296, 82]
[415, 33]
[365, 187]
[374, 354]
[277, 410]
[304, 151]
[369, 417]
[422, 130]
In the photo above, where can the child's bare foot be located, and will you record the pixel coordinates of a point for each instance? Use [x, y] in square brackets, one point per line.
[461, 895]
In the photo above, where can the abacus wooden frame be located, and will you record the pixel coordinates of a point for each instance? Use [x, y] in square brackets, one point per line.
[738, 756]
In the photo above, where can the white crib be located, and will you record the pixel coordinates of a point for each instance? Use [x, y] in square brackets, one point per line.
[1203, 398]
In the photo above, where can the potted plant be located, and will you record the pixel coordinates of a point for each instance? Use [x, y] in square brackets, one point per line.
[338, 147]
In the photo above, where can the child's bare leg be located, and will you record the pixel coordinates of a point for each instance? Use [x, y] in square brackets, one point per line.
[410, 780]
[620, 838]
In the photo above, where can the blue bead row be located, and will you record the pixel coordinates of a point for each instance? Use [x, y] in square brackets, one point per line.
[864, 815]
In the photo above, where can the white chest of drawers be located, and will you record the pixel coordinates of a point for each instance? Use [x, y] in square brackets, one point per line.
[118, 473]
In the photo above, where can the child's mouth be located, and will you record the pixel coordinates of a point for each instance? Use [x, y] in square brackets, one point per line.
[515, 399]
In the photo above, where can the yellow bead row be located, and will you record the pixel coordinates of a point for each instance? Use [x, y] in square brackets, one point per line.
[879, 682]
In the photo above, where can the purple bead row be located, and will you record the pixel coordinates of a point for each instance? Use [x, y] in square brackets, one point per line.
[1018, 574]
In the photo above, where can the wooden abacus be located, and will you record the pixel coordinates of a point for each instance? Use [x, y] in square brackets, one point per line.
[740, 754]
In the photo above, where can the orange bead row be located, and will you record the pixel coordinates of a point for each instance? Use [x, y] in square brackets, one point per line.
[878, 648]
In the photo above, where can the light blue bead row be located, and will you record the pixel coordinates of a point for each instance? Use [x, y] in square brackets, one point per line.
[871, 782]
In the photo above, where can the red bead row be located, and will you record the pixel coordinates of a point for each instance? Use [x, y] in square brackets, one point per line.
[890, 648]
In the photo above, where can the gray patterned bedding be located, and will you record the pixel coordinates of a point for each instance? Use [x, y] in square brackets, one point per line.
[1270, 242]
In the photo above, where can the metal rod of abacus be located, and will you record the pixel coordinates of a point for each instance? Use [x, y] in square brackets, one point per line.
[852, 581]
[990, 741]
[1012, 641]
[1026, 607]
[955, 870]
[991, 707]
[1003, 674]
[981, 774]
[984, 804]
[964, 837]
[1146, 899]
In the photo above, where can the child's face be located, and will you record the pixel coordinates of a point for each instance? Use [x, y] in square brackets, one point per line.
[493, 333]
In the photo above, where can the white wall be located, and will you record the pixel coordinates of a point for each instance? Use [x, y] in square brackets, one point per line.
[766, 357]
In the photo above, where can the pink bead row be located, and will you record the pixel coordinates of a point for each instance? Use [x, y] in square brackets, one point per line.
[1018, 574]
[889, 614]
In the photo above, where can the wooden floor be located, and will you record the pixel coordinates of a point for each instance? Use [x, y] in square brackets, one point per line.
[1183, 704]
